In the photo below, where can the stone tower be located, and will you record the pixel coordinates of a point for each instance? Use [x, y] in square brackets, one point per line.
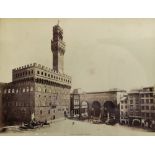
[58, 49]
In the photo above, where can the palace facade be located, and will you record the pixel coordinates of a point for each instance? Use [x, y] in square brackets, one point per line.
[38, 92]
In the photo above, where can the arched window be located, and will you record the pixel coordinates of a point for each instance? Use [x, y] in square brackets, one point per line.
[13, 91]
[31, 89]
[27, 89]
[23, 90]
[5, 91]
[17, 91]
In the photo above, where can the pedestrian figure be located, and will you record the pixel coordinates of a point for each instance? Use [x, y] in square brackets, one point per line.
[73, 123]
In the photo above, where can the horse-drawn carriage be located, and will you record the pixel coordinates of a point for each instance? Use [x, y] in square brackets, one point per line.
[34, 125]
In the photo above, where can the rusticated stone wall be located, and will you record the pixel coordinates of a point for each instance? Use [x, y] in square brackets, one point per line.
[51, 101]
[1, 104]
[25, 100]
[18, 101]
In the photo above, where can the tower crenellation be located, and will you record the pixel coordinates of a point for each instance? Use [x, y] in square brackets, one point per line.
[58, 49]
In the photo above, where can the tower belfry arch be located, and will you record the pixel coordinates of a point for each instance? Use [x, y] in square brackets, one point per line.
[58, 48]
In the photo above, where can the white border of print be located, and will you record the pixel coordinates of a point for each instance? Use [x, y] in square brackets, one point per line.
[77, 9]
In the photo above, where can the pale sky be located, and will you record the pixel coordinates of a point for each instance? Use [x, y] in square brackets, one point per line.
[100, 53]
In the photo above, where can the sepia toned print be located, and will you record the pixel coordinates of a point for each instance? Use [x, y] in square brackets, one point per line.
[77, 77]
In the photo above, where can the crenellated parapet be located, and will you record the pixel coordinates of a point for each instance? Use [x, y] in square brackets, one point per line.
[38, 71]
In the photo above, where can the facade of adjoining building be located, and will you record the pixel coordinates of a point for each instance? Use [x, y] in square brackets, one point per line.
[78, 109]
[138, 107]
[101, 105]
[124, 111]
[147, 97]
[1, 103]
[134, 107]
[38, 92]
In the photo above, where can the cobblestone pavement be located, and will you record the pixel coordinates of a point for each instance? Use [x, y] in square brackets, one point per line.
[68, 128]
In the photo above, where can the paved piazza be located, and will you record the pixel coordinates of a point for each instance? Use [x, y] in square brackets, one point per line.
[66, 128]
